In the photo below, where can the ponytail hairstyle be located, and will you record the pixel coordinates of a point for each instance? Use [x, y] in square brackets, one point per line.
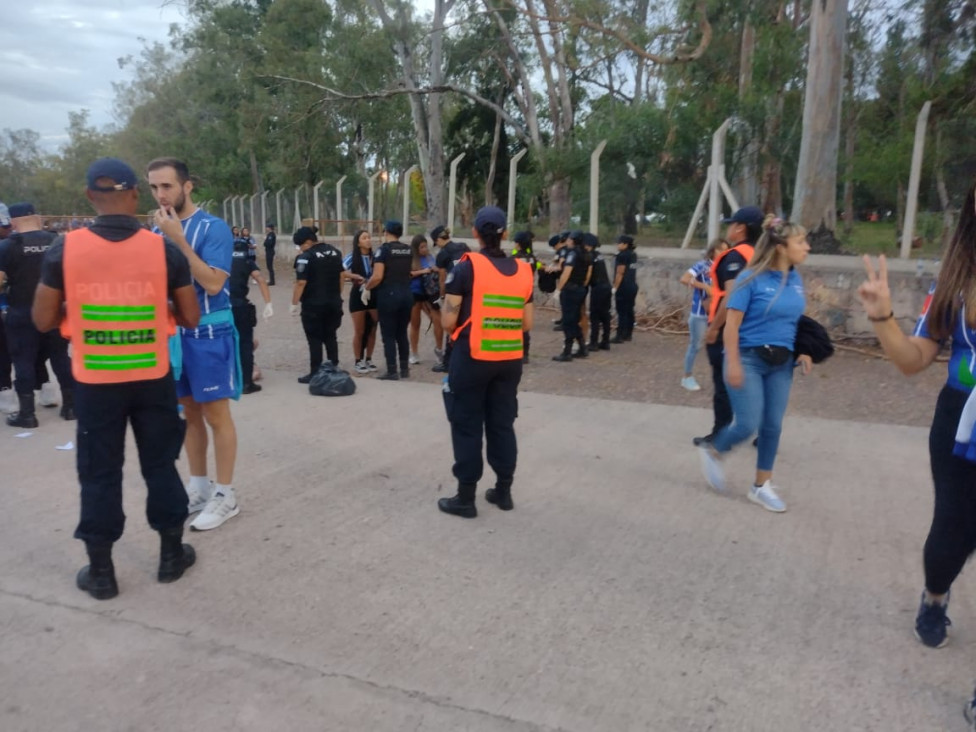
[356, 266]
[775, 233]
[415, 248]
[955, 287]
[489, 226]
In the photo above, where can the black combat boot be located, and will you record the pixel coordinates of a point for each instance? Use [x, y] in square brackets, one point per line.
[462, 504]
[390, 375]
[605, 343]
[68, 405]
[617, 338]
[98, 577]
[567, 354]
[582, 351]
[25, 416]
[501, 495]
[174, 556]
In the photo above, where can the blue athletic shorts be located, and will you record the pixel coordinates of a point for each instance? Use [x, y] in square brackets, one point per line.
[209, 364]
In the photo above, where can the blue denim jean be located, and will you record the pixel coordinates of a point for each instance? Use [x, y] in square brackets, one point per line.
[697, 325]
[759, 404]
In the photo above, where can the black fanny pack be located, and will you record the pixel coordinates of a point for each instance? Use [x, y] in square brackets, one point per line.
[774, 355]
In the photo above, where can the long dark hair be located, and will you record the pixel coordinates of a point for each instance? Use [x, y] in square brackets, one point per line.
[415, 248]
[491, 243]
[356, 265]
[955, 286]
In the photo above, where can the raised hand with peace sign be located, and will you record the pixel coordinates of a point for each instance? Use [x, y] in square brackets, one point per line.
[874, 294]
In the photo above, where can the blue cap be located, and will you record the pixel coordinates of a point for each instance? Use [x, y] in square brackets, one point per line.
[114, 169]
[748, 215]
[490, 220]
[19, 210]
[393, 227]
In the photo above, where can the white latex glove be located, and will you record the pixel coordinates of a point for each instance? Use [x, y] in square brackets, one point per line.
[613, 291]
[293, 309]
[365, 295]
[268, 311]
[555, 295]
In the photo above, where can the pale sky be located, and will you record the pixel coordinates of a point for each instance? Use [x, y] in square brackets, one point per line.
[58, 56]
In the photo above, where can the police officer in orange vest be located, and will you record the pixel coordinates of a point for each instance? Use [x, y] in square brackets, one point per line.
[115, 281]
[488, 305]
[744, 230]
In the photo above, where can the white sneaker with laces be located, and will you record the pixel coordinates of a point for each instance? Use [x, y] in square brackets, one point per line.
[711, 466]
[361, 367]
[8, 401]
[765, 496]
[414, 359]
[218, 509]
[197, 500]
[49, 395]
[370, 366]
[690, 384]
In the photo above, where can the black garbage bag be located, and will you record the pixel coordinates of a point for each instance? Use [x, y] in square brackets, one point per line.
[812, 340]
[330, 380]
[548, 281]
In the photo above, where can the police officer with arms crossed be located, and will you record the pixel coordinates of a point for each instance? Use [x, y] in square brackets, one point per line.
[571, 292]
[242, 270]
[318, 287]
[449, 255]
[20, 264]
[391, 281]
[488, 306]
[625, 287]
[112, 284]
[209, 370]
[601, 294]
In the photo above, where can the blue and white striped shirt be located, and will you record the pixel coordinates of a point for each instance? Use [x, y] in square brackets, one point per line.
[213, 242]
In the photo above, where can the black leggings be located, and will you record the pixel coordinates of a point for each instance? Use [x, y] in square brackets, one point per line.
[952, 537]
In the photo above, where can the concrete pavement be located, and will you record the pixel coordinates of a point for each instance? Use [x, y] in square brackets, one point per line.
[620, 594]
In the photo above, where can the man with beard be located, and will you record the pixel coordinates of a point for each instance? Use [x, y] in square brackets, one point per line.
[209, 370]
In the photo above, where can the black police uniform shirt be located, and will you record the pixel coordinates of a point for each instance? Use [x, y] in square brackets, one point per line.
[628, 260]
[241, 267]
[320, 268]
[450, 255]
[396, 258]
[580, 262]
[270, 240]
[461, 282]
[599, 277]
[117, 228]
[20, 258]
[528, 257]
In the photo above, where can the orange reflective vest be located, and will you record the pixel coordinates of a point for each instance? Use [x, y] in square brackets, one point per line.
[746, 250]
[117, 309]
[497, 308]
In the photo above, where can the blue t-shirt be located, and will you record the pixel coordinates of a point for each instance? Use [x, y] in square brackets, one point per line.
[417, 283]
[367, 263]
[701, 272]
[962, 356]
[212, 241]
[771, 308]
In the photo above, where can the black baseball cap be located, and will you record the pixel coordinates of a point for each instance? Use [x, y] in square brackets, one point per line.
[440, 232]
[19, 210]
[523, 237]
[748, 215]
[490, 220]
[123, 176]
[393, 227]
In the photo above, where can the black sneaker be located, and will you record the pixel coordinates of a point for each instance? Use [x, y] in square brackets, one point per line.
[251, 388]
[503, 501]
[704, 440]
[439, 368]
[605, 346]
[305, 379]
[456, 507]
[389, 376]
[563, 357]
[932, 623]
[404, 373]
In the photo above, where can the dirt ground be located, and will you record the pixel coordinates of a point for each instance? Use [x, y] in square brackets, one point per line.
[849, 386]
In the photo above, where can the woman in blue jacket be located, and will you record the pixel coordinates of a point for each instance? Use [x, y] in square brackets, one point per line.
[760, 331]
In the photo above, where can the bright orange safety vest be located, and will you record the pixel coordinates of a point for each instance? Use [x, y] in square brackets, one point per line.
[497, 309]
[746, 250]
[117, 307]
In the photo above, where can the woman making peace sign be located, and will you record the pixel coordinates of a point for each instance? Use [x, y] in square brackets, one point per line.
[950, 312]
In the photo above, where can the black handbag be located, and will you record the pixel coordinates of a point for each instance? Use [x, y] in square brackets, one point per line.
[774, 355]
[547, 281]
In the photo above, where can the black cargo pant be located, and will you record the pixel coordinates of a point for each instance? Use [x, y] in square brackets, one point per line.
[269, 254]
[721, 405]
[320, 323]
[245, 318]
[601, 297]
[483, 400]
[571, 302]
[28, 347]
[626, 296]
[394, 307]
[104, 411]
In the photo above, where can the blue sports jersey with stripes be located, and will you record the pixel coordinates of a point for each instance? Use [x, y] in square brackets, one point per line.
[701, 271]
[213, 242]
[962, 355]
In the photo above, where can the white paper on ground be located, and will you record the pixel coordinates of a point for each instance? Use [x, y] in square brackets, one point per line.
[24, 434]
[69, 445]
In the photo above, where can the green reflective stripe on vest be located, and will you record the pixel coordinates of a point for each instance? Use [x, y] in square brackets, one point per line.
[503, 301]
[494, 346]
[122, 362]
[118, 312]
[502, 323]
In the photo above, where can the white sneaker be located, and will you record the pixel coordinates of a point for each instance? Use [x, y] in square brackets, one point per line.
[690, 384]
[711, 467]
[766, 497]
[8, 401]
[197, 500]
[361, 367]
[49, 395]
[370, 366]
[414, 359]
[218, 509]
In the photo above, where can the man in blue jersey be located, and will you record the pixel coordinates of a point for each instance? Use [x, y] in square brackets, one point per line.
[208, 374]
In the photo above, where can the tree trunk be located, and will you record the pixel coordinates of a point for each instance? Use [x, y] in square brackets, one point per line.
[815, 195]
[435, 185]
[746, 182]
[771, 190]
[493, 163]
[559, 204]
[255, 173]
[850, 141]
